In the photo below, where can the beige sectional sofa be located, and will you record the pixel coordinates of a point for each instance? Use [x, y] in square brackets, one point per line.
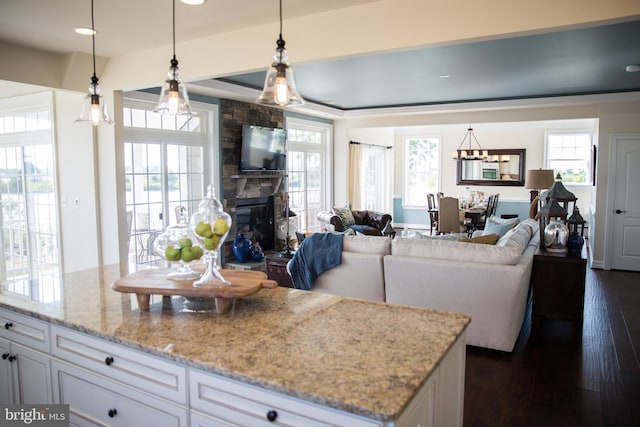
[489, 282]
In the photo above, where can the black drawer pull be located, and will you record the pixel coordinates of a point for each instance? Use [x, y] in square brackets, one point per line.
[112, 413]
[10, 358]
[272, 415]
[4, 356]
[108, 360]
[8, 325]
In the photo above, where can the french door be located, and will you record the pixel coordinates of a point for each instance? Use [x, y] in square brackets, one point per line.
[30, 262]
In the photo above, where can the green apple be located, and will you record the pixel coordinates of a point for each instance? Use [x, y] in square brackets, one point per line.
[172, 253]
[187, 254]
[197, 251]
[185, 242]
[204, 229]
[220, 227]
[212, 242]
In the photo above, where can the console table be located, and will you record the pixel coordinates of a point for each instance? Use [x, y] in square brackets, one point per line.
[558, 286]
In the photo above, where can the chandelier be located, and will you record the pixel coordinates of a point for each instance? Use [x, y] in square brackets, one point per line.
[470, 153]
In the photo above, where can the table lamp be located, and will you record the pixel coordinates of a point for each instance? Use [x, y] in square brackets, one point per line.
[538, 180]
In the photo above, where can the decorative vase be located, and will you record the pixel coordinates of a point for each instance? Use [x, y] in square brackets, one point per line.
[575, 242]
[556, 235]
[257, 253]
[211, 225]
[242, 248]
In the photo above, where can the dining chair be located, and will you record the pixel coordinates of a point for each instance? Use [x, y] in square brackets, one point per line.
[432, 211]
[449, 216]
[492, 206]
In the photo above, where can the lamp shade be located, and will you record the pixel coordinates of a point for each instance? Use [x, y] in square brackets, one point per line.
[279, 85]
[539, 179]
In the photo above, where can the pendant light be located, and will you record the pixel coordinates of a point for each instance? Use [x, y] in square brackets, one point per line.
[94, 106]
[279, 86]
[470, 153]
[173, 98]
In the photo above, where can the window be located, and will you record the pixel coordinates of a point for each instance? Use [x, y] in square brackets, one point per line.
[423, 169]
[570, 155]
[166, 167]
[374, 179]
[307, 169]
[30, 262]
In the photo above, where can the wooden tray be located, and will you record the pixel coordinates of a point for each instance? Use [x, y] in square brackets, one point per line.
[145, 283]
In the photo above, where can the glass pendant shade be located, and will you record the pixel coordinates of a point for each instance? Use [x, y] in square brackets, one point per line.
[173, 97]
[279, 85]
[94, 106]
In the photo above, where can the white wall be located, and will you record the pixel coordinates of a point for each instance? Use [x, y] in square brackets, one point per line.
[80, 237]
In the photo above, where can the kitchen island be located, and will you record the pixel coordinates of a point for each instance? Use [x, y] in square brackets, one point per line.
[315, 358]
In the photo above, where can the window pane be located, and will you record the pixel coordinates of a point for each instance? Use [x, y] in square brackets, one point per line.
[421, 175]
[570, 155]
[154, 120]
[138, 118]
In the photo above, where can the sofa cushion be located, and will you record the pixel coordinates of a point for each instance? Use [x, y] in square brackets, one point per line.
[367, 244]
[455, 251]
[489, 239]
[498, 226]
[345, 215]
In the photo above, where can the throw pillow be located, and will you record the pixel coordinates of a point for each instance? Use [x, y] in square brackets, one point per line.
[345, 215]
[498, 226]
[489, 239]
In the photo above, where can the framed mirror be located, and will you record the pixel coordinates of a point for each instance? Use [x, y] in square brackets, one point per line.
[502, 167]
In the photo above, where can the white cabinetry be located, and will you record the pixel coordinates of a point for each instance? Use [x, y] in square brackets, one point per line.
[226, 402]
[95, 401]
[221, 402]
[106, 383]
[25, 369]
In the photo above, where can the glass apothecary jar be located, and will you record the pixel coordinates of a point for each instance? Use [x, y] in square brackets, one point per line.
[178, 245]
[211, 224]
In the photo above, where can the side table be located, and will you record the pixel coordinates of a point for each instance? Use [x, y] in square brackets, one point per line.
[558, 286]
[277, 269]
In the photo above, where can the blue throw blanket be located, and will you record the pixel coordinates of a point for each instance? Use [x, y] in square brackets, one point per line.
[318, 253]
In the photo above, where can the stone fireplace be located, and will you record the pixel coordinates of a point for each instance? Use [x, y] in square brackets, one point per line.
[241, 190]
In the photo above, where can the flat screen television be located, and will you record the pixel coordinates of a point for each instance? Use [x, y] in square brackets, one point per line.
[263, 149]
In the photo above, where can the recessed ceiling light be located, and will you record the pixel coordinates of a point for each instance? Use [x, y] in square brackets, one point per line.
[193, 2]
[444, 76]
[85, 31]
[632, 68]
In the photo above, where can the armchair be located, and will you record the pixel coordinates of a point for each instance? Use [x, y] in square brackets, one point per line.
[365, 222]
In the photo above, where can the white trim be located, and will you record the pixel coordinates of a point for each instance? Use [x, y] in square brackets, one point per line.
[614, 139]
[326, 148]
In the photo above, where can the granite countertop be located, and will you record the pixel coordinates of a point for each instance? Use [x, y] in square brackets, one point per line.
[362, 357]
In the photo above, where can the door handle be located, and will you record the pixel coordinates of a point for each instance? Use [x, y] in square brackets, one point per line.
[618, 211]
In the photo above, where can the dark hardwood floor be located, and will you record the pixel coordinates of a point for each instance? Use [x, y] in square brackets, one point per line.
[557, 378]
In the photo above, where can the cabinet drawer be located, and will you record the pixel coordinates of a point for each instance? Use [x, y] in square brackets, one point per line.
[244, 405]
[24, 330]
[131, 367]
[94, 400]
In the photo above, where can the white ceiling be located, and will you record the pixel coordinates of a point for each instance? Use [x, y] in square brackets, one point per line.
[131, 25]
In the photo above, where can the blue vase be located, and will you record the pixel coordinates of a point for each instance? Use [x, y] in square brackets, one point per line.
[575, 242]
[257, 254]
[242, 248]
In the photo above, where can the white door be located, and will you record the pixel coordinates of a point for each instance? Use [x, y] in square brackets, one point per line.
[626, 204]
